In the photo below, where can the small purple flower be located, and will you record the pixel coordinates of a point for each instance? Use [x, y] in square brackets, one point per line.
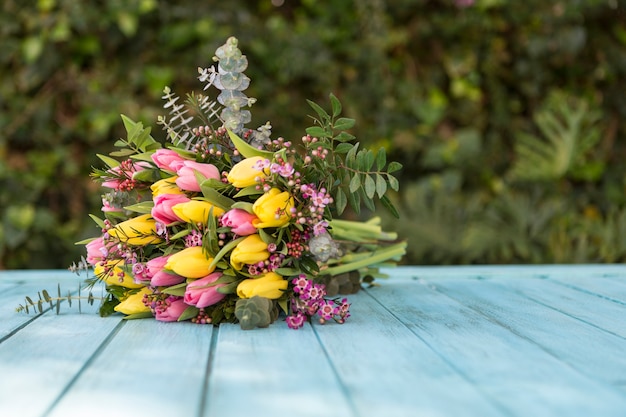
[327, 310]
[296, 321]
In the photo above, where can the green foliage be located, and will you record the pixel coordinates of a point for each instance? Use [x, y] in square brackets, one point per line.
[463, 98]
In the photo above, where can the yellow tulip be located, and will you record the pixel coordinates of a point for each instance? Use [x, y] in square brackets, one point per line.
[166, 186]
[196, 211]
[273, 209]
[249, 251]
[112, 273]
[244, 173]
[137, 231]
[133, 304]
[270, 285]
[191, 262]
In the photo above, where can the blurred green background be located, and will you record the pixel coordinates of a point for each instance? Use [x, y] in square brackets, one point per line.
[507, 115]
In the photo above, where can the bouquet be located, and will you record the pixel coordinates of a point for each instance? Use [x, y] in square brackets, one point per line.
[222, 223]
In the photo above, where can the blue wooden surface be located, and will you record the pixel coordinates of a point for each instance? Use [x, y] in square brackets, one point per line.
[430, 341]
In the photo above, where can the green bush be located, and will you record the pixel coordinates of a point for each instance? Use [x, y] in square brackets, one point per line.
[506, 115]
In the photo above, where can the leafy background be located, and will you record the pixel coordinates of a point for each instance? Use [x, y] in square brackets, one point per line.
[508, 116]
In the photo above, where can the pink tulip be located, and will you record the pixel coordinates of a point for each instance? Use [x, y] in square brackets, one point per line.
[96, 251]
[122, 175]
[175, 308]
[160, 277]
[240, 222]
[167, 159]
[162, 210]
[187, 174]
[200, 294]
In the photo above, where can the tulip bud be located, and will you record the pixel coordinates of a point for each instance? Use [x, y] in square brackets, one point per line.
[273, 209]
[163, 204]
[190, 263]
[166, 186]
[133, 304]
[245, 172]
[187, 174]
[167, 159]
[196, 211]
[270, 285]
[249, 251]
[175, 308]
[112, 273]
[201, 294]
[137, 231]
[239, 221]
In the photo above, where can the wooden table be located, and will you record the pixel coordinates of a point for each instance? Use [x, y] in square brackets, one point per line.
[430, 341]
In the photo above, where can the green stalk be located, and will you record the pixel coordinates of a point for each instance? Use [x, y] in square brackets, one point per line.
[393, 251]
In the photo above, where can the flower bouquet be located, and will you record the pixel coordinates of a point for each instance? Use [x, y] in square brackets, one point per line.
[225, 224]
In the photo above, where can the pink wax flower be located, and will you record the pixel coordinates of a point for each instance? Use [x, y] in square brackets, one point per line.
[200, 294]
[122, 175]
[240, 222]
[174, 308]
[167, 159]
[160, 277]
[187, 174]
[162, 210]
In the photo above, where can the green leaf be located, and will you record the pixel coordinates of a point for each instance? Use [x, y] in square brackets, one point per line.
[368, 201]
[250, 190]
[370, 187]
[136, 316]
[122, 153]
[381, 159]
[244, 205]
[381, 185]
[316, 131]
[355, 202]
[389, 206]
[178, 290]
[189, 313]
[145, 207]
[351, 155]
[344, 123]
[147, 175]
[215, 197]
[344, 137]
[336, 105]
[343, 147]
[320, 111]
[355, 183]
[247, 150]
[341, 201]
[111, 163]
[393, 182]
[98, 221]
[394, 166]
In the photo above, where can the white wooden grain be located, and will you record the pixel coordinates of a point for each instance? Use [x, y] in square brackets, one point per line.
[272, 372]
[149, 368]
[595, 353]
[388, 371]
[514, 372]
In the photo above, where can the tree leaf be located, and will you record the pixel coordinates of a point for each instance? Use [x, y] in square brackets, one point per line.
[370, 187]
[344, 137]
[247, 150]
[381, 159]
[394, 166]
[145, 207]
[320, 111]
[389, 206]
[393, 182]
[316, 131]
[336, 105]
[340, 201]
[381, 185]
[110, 162]
[344, 123]
[355, 183]
[189, 313]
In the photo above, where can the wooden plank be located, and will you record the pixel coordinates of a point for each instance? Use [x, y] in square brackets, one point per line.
[272, 372]
[514, 372]
[388, 371]
[38, 362]
[611, 287]
[584, 305]
[148, 368]
[597, 354]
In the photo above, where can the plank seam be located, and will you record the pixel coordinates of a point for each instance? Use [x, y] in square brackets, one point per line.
[461, 374]
[207, 373]
[342, 385]
[86, 365]
[584, 291]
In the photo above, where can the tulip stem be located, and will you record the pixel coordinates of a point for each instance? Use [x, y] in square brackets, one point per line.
[394, 251]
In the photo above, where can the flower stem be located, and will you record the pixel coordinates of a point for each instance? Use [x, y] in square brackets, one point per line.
[393, 251]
